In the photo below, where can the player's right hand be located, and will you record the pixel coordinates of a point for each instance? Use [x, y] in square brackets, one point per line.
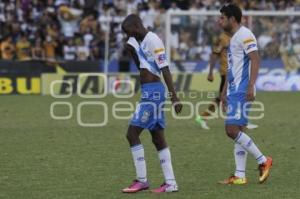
[250, 94]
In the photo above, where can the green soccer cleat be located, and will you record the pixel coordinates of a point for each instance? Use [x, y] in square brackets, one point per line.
[202, 122]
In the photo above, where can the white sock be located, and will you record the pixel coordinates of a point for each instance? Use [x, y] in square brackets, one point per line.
[246, 142]
[166, 165]
[139, 162]
[240, 157]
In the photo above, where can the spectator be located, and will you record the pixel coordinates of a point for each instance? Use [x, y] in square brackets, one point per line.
[88, 37]
[2, 12]
[131, 7]
[175, 21]
[23, 48]
[59, 50]
[97, 50]
[15, 29]
[50, 7]
[264, 39]
[7, 49]
[68, 18]
[56, 21]
[147, 14]
[82, 51]
[37, 51]
[89, 23]
[70, 50]
[53, 30]
[50, 45]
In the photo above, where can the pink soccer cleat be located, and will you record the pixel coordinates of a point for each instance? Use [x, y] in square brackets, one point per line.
[136, 186]
[166, 188]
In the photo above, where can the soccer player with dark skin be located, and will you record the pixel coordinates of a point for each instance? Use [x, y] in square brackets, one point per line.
[133, 27]
[239, 91]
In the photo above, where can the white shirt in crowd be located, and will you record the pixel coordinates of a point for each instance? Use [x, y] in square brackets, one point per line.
[82, 52]
[69, 52]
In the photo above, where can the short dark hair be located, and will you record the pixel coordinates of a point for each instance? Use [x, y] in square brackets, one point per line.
[131, 19]
[232, 10]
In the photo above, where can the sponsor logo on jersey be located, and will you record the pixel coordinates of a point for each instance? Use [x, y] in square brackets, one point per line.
[162, 58]
[248, 40]
[159, 50]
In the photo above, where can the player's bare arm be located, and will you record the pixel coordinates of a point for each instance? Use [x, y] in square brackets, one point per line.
[212, 63]
[223, 96]
[168, 79]
[133, 54]
[254, 57]
[145, 75]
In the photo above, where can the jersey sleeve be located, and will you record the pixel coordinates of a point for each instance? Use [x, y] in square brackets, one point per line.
[249, 42]
[159, 53]
[133, 42]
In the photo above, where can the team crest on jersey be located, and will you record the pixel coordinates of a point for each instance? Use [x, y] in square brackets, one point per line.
[251, 46]
[162, 58]
[145, 116]
[238, 114]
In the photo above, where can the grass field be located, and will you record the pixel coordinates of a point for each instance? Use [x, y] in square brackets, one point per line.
[42, 158]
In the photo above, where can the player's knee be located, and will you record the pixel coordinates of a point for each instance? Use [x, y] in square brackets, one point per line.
[230, 134]
[232, 131]
[130, 137]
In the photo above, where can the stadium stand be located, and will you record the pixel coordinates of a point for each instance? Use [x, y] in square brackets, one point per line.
[75, 29]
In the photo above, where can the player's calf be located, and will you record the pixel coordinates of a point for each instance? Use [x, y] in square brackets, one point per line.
[158, 139]
[133, 134]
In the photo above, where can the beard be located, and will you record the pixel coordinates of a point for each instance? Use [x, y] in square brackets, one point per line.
[227, 28]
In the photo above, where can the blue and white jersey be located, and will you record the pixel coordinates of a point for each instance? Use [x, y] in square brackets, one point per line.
[241, 44]
[151, 53]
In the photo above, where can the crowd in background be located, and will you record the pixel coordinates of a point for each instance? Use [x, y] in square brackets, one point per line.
[76, 29]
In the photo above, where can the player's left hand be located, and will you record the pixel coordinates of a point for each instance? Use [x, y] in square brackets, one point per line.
[177, 104]
[250, 94]
[210, 77]
[224, 102]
